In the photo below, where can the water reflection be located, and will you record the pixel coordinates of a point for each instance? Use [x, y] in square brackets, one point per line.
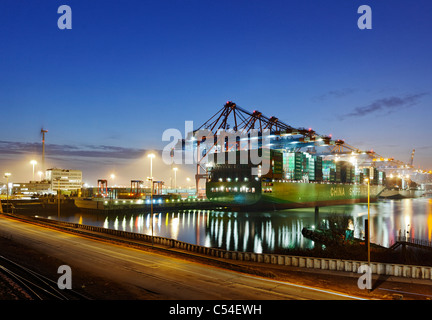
[271, 231]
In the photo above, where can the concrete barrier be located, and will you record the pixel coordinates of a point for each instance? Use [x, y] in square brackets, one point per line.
[397, 270]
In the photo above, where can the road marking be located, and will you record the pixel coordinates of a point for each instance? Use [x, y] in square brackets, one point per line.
[406, 292]
[312, 288]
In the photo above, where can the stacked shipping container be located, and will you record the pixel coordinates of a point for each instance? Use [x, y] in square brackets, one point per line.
[293, 166]
[299, 165]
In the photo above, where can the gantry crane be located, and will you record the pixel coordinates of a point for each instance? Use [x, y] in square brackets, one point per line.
[235, 120]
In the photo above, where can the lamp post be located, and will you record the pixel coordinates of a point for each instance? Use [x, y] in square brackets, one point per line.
[368, 225]
[175, 178]
[114, 196]
[33, 163]
[7, 175]
[58, 197]
[151, 205]
[151, 156]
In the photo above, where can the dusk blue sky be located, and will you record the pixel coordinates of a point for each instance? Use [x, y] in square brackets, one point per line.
[128, 70]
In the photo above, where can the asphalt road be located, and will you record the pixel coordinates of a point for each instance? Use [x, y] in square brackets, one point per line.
[150, 275]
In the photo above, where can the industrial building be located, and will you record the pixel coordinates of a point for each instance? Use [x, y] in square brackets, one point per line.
[64, 179]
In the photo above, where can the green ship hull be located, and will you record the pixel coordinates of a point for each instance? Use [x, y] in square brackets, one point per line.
[261, 195]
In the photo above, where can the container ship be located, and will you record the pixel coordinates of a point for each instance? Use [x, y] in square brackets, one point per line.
[294, 180]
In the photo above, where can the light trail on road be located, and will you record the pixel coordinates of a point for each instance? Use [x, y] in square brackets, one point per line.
[153, 275]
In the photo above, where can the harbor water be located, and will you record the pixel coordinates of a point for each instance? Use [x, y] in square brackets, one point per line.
[270, 231]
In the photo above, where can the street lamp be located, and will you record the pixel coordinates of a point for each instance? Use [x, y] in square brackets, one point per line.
[113, 193]
[7, 175]
[151, 156]
[368, 225]
[151, 205]
[33, 162]
[58, 197]
[175, 178]
[40, 175]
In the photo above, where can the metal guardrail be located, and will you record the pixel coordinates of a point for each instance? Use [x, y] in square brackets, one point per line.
[398, 270]
[419, 242]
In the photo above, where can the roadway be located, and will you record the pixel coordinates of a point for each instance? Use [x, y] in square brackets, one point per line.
[150, 275]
